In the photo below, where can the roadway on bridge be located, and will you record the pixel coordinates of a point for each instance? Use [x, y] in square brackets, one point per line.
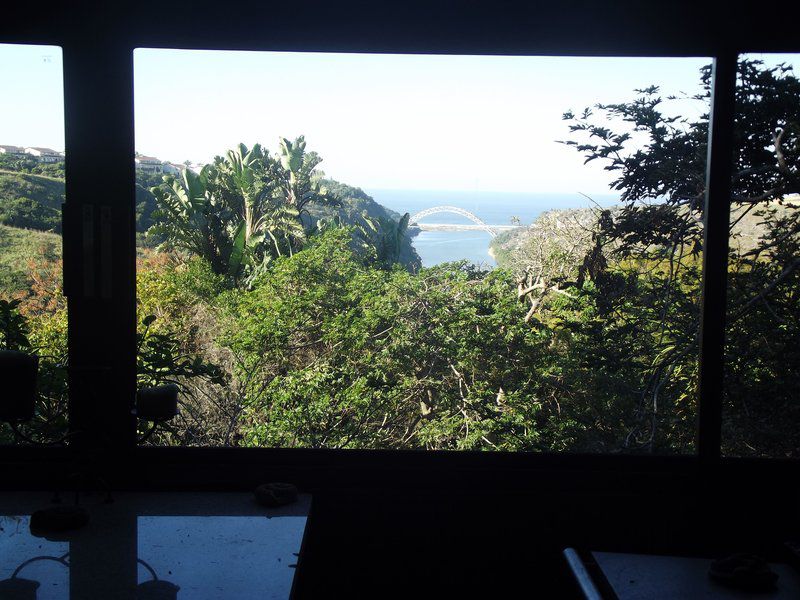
[478, 223]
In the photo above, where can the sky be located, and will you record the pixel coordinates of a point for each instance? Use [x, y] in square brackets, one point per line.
[31, 96]
[486, 123]
[392, 121]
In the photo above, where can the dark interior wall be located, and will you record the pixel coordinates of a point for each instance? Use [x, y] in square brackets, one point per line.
[387, 525]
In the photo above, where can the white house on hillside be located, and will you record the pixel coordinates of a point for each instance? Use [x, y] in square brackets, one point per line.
[45, 155]
[149, 164]
[12, 150]
[172, 168]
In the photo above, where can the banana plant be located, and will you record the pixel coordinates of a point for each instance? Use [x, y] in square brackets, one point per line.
[244, 209]
[298, 178]
[239, 181]
[384, 235]
[189, 216]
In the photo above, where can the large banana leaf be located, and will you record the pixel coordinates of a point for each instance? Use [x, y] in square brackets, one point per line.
[237, 251]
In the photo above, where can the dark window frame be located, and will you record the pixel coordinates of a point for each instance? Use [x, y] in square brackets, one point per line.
[98, 75]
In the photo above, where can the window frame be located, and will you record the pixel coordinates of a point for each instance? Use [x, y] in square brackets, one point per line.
[98, 88]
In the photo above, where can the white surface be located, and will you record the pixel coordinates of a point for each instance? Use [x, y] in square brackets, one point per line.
[209, 545]
[646, 577]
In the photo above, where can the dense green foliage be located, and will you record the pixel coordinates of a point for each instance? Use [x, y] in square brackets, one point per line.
[762, 385]
[325, 350]
[288, 309]
[146, 205]
[371, 220]
[29, 164]
[35, 321]
[345, 355]
[249, 207]
[31, 201]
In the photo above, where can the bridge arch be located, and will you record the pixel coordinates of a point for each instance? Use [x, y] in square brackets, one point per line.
[451, 209]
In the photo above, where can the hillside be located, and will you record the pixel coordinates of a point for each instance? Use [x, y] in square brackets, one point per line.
[572, 228]
[356, 202]
[31, 201]
[18, 248]
[30, 206]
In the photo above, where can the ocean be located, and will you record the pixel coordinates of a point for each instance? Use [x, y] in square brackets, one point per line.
[493, 208]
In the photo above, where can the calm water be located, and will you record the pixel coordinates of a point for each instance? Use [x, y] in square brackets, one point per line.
[493, 208]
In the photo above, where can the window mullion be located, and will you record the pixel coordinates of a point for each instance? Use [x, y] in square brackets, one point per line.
[99, 241]
[715, 255]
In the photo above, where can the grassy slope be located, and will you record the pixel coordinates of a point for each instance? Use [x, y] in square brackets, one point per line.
[17, 248]
[28, 200]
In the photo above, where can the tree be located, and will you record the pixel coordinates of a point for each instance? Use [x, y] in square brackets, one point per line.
[346, 355]
[385, 236]
[191, 217]
[243, 210]
[297, 179]
[659, 162]
[262, 214]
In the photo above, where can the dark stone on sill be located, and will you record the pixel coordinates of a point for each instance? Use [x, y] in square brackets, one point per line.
[57, 519]
[744, 572]
[17, 587]
[276, 494]
[157, 590]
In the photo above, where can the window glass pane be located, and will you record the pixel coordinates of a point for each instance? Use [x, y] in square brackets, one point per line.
[421, 252]
[762, 407]
[33, 316]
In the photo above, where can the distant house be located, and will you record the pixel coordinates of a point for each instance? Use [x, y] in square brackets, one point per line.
[149, 164]
[172, 168]
[12, 150]
[45, 155]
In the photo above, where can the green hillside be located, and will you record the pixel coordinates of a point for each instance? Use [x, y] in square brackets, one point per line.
[354, 202]
[31, 201]
[18, 248]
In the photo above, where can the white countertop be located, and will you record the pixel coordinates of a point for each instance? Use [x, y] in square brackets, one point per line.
[209, 545]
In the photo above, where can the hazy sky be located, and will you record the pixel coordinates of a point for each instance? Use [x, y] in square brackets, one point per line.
[378, 121]
[392, 121]
[31, 96]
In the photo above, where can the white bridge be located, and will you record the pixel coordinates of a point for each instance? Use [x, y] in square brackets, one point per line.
[414, 220]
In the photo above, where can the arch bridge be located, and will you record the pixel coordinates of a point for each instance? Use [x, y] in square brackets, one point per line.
[414, 220]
